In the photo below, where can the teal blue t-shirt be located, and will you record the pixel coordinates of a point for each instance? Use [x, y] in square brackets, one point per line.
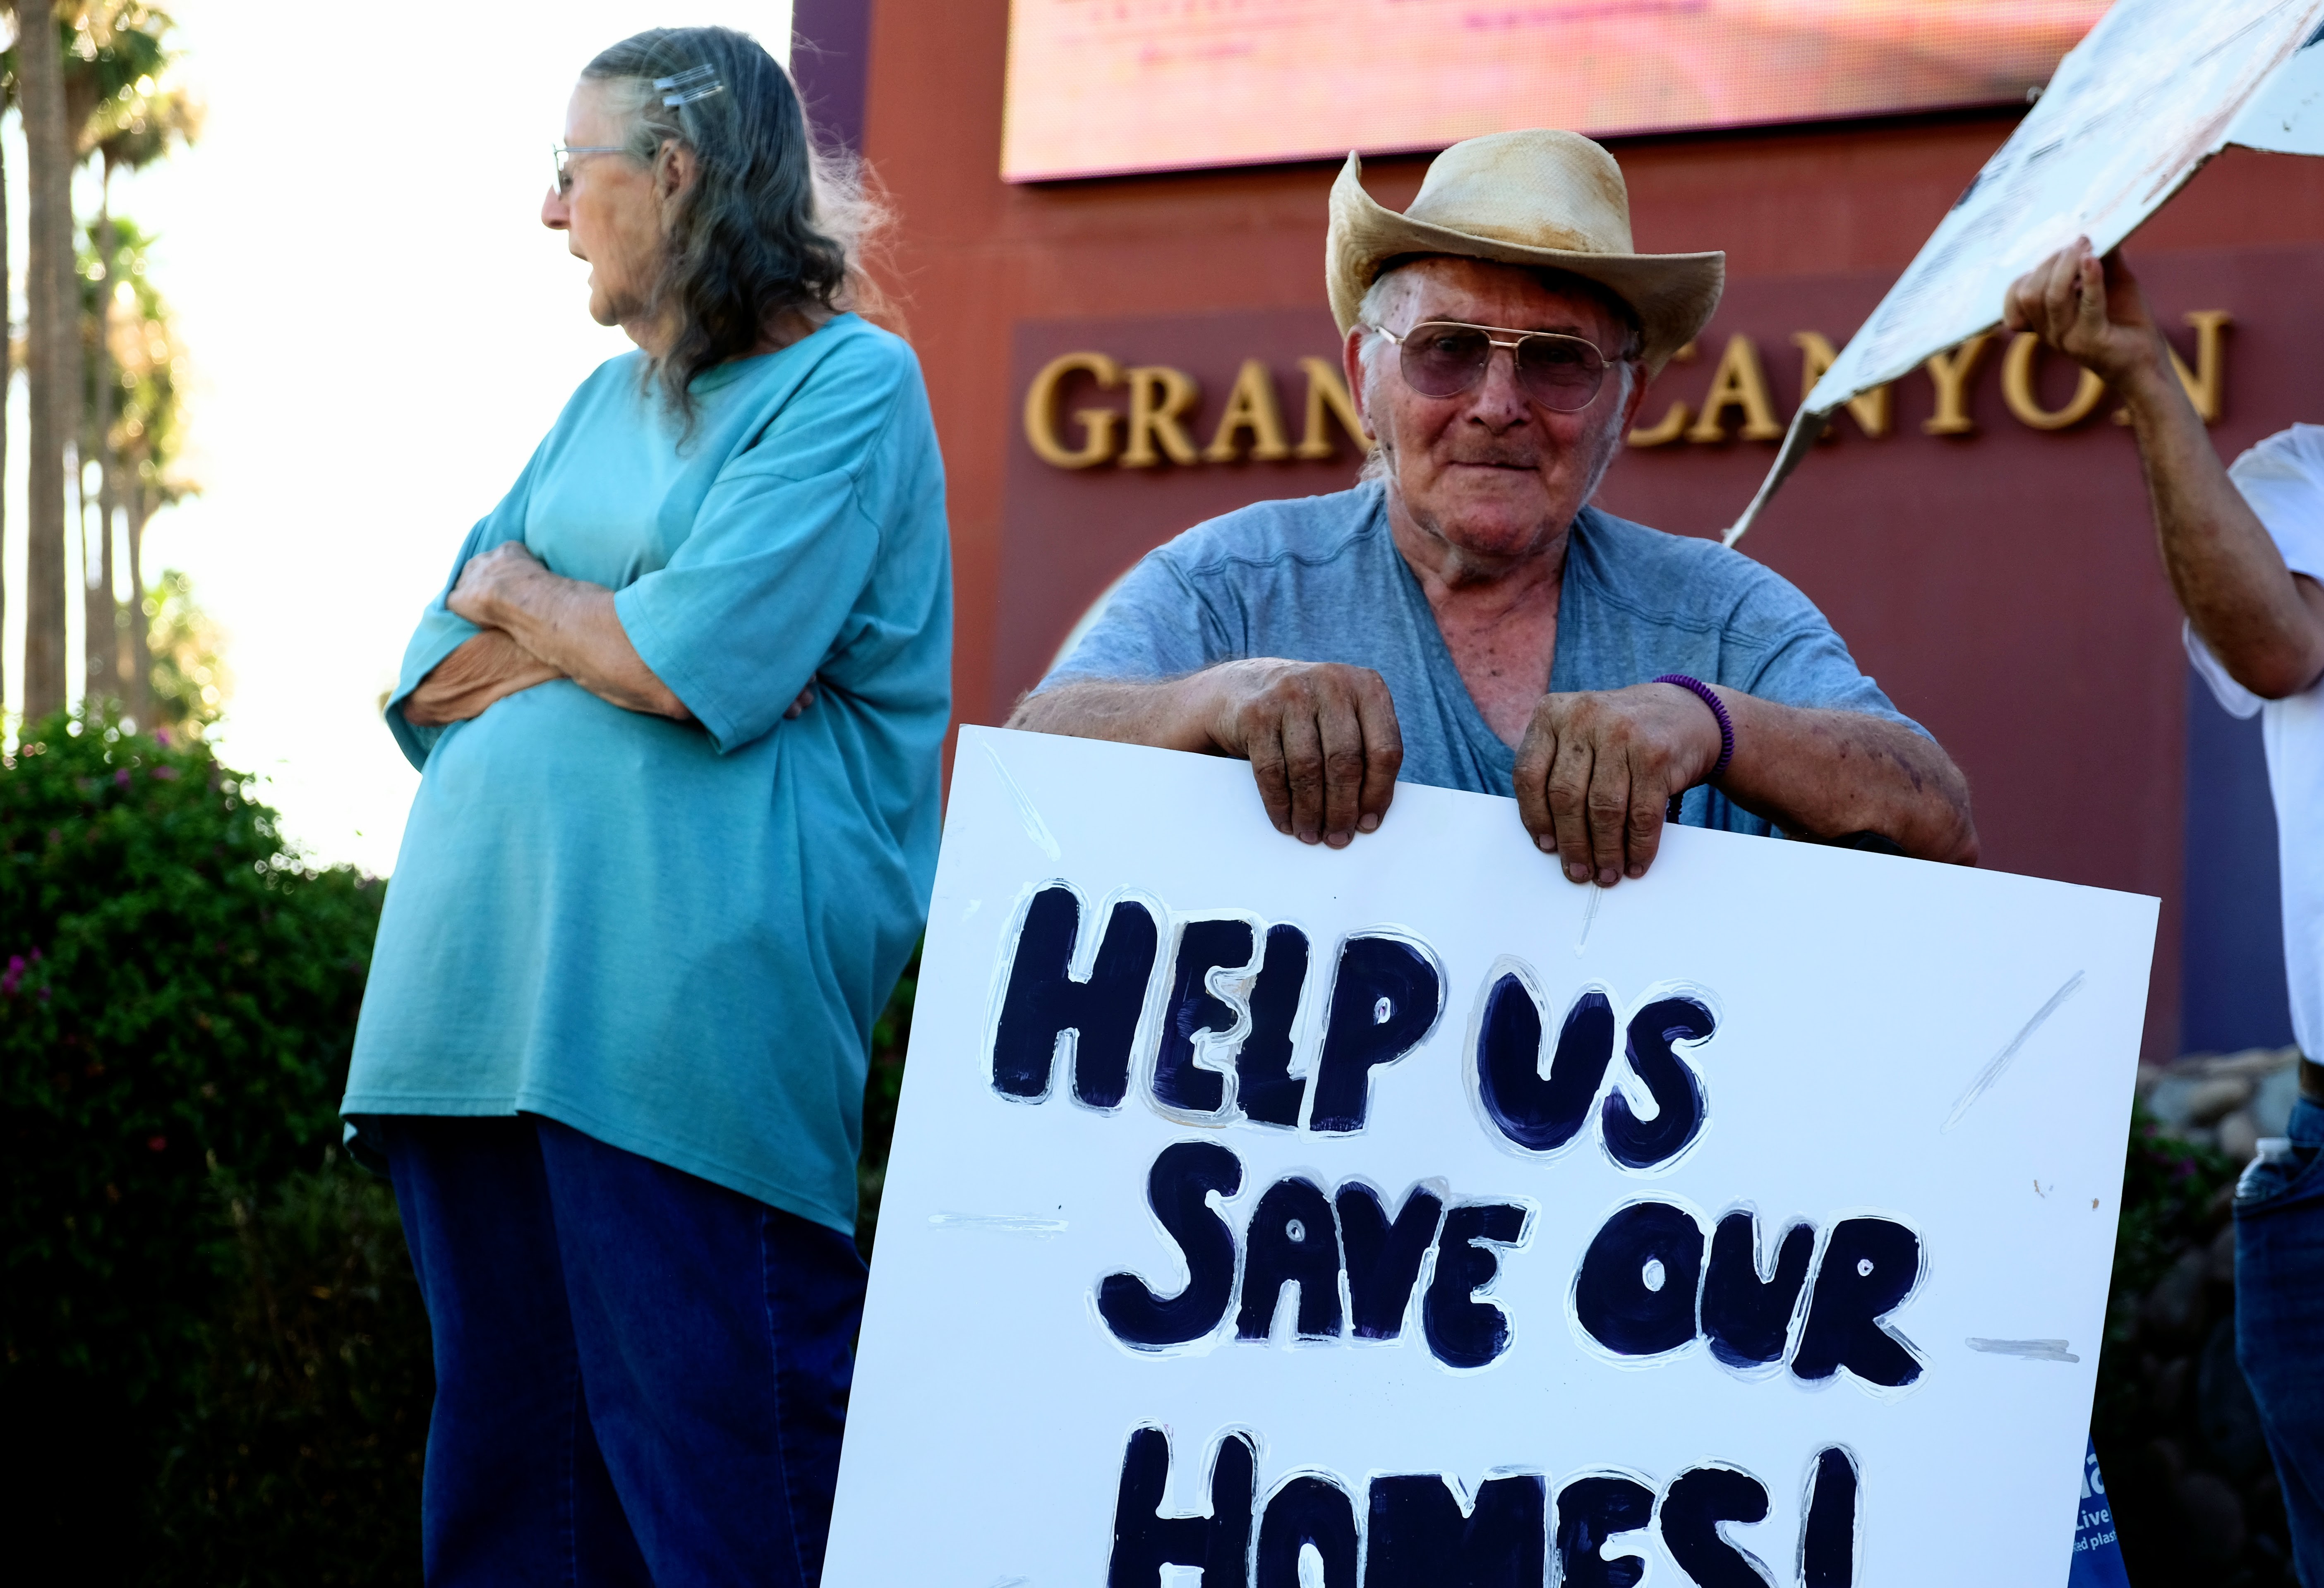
[674, 936]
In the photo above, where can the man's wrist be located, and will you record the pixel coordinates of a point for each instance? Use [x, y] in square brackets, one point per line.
[2146, 380]
[1216, 693]
[1718, 744]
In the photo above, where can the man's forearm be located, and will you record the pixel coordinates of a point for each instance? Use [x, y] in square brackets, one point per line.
[1169, 715]
[1834, 774]
[2263, 623]
[2266, 629]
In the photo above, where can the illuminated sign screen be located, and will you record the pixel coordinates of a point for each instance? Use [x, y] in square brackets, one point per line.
[1097, 87]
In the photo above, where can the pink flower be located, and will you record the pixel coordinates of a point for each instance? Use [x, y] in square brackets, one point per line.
[157, 1143]
[12, 976]
[166, 774]
[121, 778]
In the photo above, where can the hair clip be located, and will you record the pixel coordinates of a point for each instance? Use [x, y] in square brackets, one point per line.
[697, 82]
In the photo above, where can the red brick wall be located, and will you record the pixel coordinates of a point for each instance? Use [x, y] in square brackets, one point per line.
[2001, 585]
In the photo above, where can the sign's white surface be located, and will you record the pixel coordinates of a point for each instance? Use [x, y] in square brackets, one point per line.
[1919, 1064]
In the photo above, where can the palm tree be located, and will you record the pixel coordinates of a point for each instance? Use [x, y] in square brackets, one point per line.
[92, 285]
[142, 443]
[124, 117]
[7, 356]
[48, 310]
[94, 93]
[138, 126]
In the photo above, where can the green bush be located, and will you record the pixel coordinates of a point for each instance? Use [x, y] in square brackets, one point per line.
[2174, 1197]
[177, 998]
[217, 1363]
[300, 1461]
[891, 1032]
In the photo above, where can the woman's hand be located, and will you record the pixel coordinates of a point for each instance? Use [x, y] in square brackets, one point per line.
[494, 581]
[487, 667]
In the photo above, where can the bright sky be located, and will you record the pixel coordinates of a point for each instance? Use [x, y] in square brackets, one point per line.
[379, 331]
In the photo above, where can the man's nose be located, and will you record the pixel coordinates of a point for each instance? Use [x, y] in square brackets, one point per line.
[556, 214]
[1498, 399]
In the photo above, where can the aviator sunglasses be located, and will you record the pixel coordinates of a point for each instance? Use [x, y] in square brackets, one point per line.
[1445, 358]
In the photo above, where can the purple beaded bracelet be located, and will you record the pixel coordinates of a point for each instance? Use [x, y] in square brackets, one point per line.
[1708, 697]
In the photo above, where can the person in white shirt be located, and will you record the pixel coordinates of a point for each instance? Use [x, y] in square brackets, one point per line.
[2244, 547]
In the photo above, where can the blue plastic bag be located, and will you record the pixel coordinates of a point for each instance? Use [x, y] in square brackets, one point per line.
[2098, 1558]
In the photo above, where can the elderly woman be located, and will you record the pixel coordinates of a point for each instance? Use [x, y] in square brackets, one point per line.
[678, 718]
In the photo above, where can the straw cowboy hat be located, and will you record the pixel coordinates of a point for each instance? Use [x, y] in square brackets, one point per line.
[1537, 197]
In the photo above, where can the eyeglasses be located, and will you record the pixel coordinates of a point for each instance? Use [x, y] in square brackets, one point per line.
[1445, 358]
[562, 154]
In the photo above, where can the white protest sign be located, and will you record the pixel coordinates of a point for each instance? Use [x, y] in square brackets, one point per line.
[2154, 90]
[1410, 1211]
[2286, 115]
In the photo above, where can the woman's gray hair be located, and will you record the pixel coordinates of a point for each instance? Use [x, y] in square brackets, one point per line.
[771, 226]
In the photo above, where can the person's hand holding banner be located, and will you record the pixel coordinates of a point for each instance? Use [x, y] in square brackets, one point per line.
[2157, 89]
[2092, 311]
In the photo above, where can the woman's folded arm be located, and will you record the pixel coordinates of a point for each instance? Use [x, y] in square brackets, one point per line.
[566, 626]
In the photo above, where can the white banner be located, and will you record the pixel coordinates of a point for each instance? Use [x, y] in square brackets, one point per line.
[2157, 89]
[1406, 1215]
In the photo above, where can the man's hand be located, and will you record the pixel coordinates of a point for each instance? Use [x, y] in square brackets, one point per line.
[1320, 737]
[1596, 772]
[2092, 311]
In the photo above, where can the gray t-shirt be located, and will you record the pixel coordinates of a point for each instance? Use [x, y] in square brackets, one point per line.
[1320, 580]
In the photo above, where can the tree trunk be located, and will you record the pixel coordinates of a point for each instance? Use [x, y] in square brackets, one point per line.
[105, 633]
[141, 624]
[100, 642]
[7, 377]
[50, 313]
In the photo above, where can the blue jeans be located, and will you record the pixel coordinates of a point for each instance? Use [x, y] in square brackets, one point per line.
[2280, 1323]
[641, 1377]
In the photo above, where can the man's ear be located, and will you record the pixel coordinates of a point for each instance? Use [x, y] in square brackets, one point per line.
[1351, 365]
[1639, 381]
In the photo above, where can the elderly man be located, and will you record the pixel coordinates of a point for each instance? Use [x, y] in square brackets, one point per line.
[1462, 616]
[2244, 548]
